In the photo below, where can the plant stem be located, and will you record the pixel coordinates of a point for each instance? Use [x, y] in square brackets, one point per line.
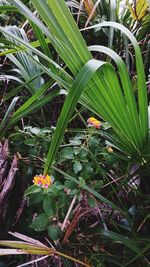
[68, 212]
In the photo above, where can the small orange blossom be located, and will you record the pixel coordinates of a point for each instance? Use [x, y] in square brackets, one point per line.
[42, 180]
[93, 122]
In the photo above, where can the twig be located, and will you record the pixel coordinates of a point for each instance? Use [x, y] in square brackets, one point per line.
[68, 212]
[71, 258]
[114, 181]
[30, 262]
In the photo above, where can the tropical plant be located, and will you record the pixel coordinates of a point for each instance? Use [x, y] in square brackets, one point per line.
[102, 87]
[26, 68]
[112, 99]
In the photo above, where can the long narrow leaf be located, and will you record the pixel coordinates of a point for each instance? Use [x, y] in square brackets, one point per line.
[90, 190]
[142, 91]
[68, 42]
[120, 238]
[72, 99]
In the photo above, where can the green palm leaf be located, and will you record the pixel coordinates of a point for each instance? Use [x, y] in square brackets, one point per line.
[104, 94]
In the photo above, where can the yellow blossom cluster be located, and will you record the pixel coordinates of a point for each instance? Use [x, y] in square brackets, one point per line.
[94, 122]
[42, 180]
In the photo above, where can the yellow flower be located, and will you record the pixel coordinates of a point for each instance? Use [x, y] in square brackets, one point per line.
[109, 149]
[42, 180]
[93, 122]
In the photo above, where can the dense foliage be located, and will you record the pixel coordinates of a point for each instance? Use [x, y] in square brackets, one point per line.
[75, 150]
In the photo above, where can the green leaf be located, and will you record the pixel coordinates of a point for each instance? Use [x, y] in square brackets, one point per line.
[54, 232]
[72, 99]
[87, 171]
[82, 184]
[35, 130]
[70, 185]
[91, 202]
[7, 8]
[75, 141]
[108, 95]
[94, 144]
[32, 190]
[54, 190]
[67, 153]
[30, 142]
[17, 89]
[40, 36]
[76, 150]
[36, 198]
[113, 9]
[141, 253]
[9, 110]
[22, 59]
[40, 223]
[49, 205]
[28, 107]
[142, 92]
[97, 185]
[121, 239]
[77, 166]
[83, 153]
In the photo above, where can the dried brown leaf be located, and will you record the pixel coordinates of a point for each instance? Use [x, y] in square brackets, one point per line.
[28, 239]
[9, 180]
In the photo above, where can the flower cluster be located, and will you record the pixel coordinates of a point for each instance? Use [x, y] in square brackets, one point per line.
[93, 122]
[42, 180]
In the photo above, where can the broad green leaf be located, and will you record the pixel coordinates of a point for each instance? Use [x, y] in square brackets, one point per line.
[67, 153]
[32, 190]
[36, 198]
[40, 223]
[70, 185]
[54, 232]
[49, 205]
[103, 95]
[142, 91]
[77, 166]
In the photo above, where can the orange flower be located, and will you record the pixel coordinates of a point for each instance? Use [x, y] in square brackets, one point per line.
[42, 180]
[93, 122]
